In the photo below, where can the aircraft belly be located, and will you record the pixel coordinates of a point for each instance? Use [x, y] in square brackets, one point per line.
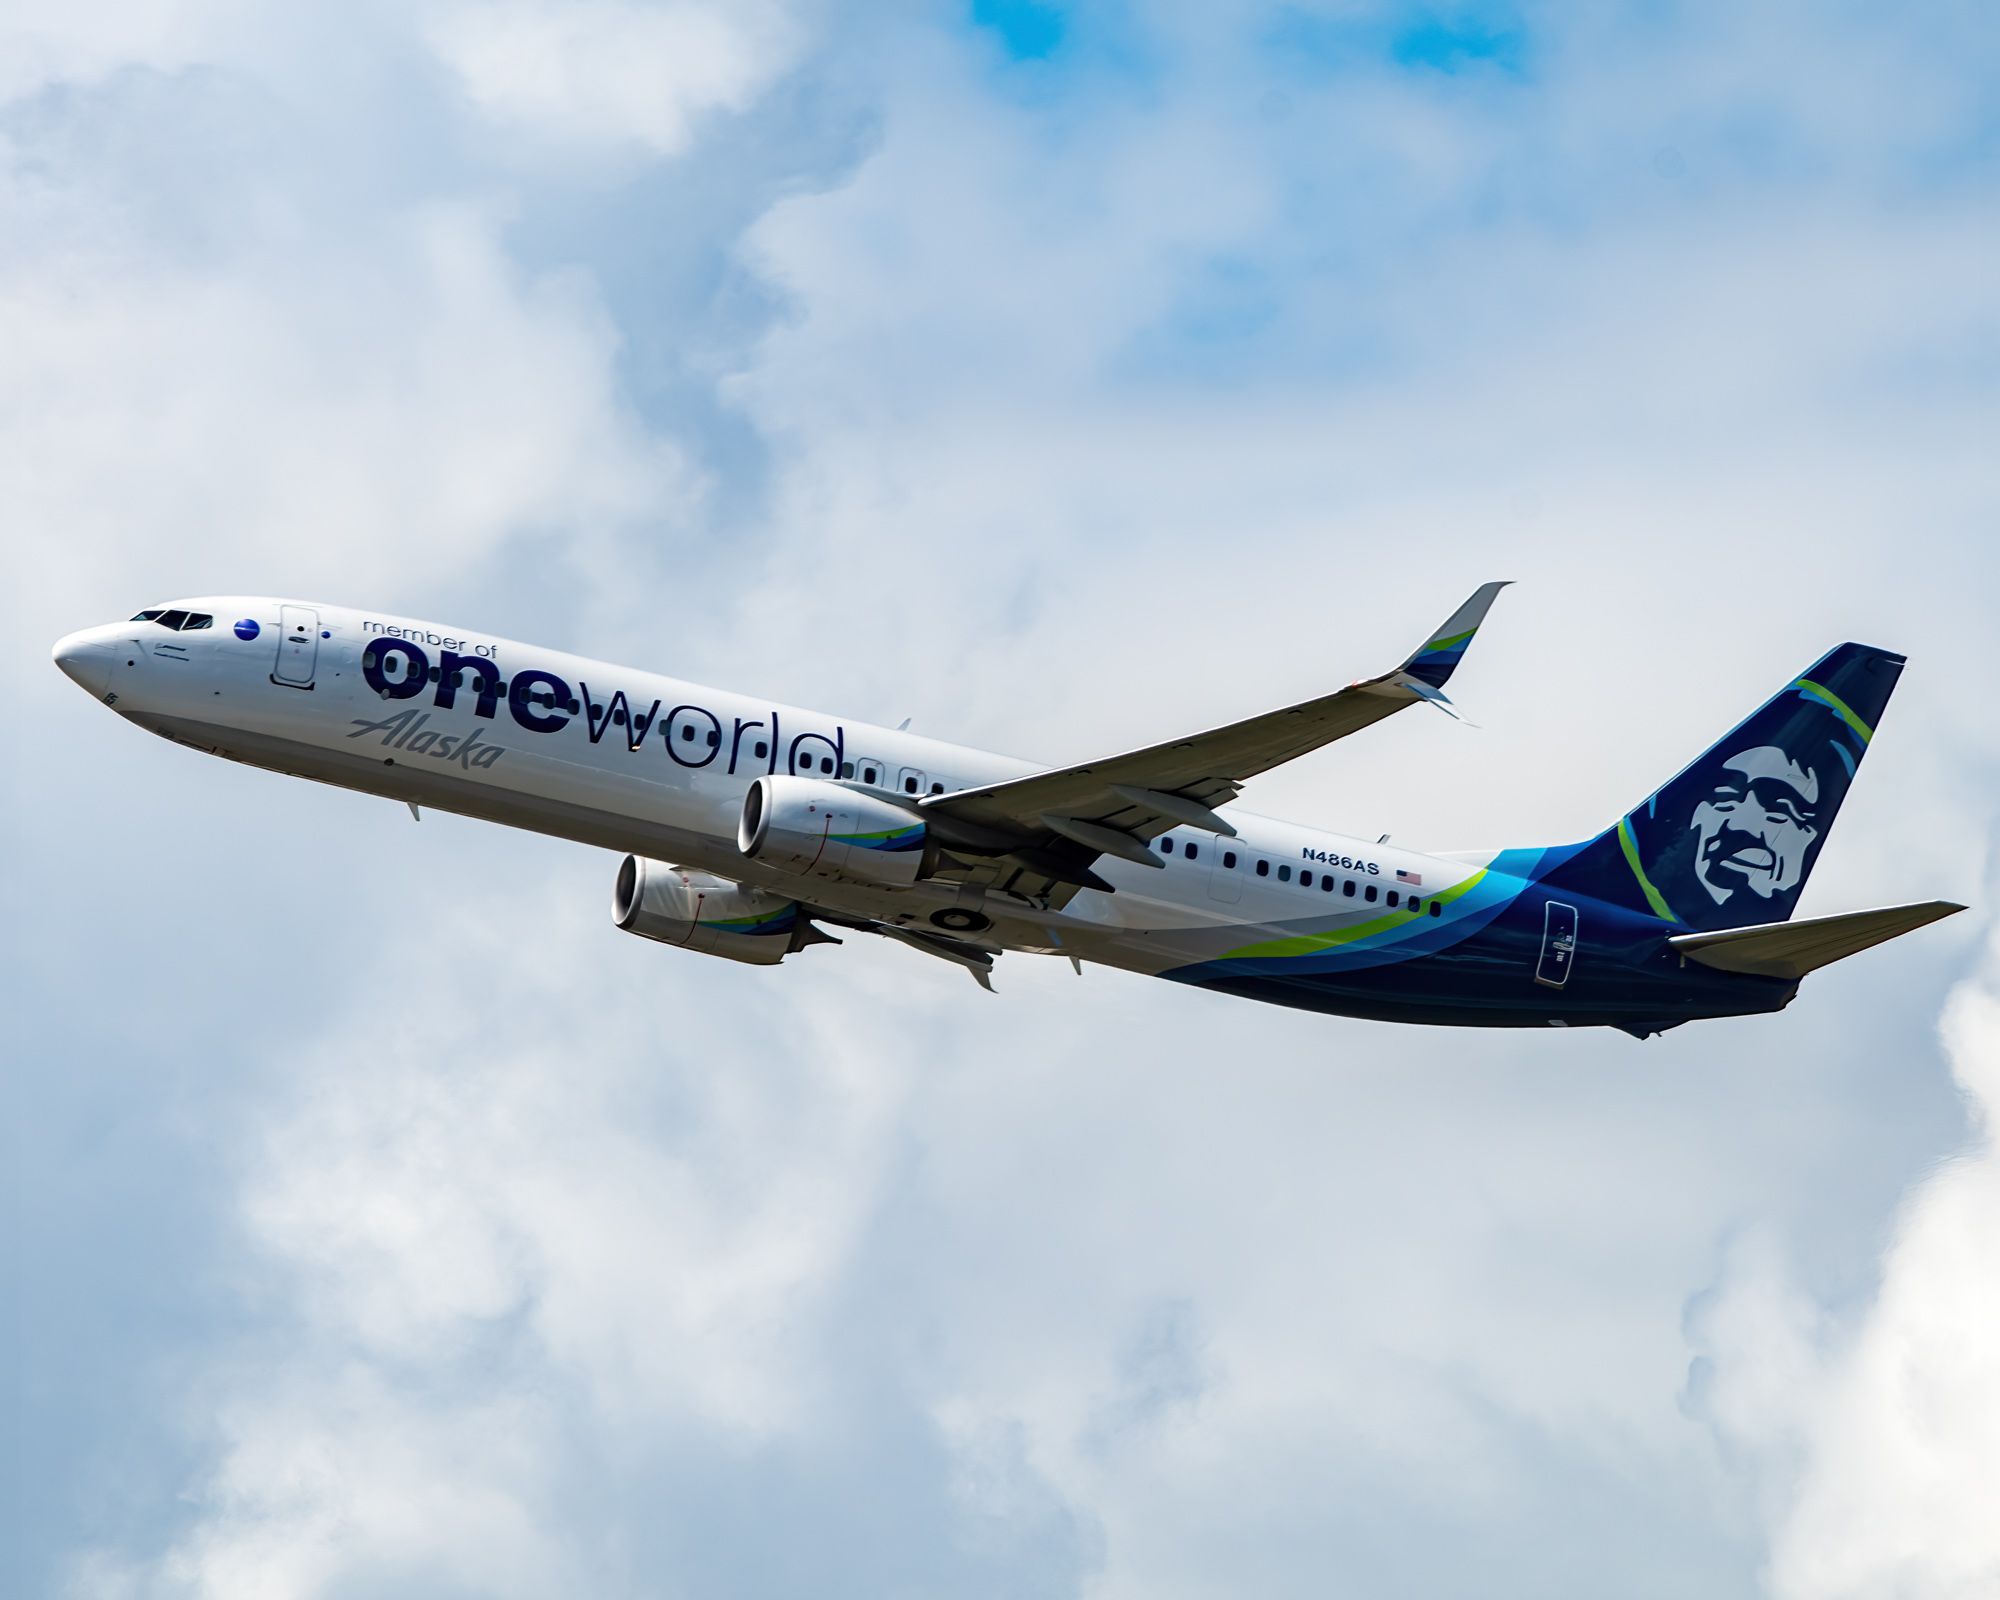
[585, 818]
[1483, 973]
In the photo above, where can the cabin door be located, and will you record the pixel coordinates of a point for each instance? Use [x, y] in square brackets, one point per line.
[1558, 944]
[298, 646]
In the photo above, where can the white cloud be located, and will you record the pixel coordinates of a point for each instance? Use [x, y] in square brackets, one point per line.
[659, 1218]
[609, 71]
[1876, 1437]
[46, 42]
[398, 409]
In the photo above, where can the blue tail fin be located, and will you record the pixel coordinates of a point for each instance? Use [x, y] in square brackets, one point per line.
[1730, 841]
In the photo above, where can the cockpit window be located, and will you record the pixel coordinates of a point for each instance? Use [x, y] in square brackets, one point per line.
[179, 621]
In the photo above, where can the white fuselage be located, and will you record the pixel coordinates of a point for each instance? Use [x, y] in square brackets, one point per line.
[634, 761]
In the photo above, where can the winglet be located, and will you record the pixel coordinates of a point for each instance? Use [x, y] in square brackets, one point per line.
[1435, 662]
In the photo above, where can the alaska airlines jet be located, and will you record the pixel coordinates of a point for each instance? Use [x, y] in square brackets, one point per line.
[751, 829]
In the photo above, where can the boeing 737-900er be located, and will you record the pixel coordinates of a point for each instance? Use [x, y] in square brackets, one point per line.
[750, 829]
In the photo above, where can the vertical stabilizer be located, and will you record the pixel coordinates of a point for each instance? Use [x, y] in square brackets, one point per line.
[1730, 842]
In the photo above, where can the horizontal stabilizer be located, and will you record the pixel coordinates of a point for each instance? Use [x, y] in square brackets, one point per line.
[1792, 949]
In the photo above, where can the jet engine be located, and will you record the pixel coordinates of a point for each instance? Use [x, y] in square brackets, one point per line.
[828, 831]
[704, 912]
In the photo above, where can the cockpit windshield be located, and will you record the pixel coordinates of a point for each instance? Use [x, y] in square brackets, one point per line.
[178, 621]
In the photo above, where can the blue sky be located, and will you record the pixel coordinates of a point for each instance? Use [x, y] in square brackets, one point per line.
[386, 1224]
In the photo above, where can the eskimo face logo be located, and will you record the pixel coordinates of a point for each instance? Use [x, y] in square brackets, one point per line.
[1756, 826]
[247, 629]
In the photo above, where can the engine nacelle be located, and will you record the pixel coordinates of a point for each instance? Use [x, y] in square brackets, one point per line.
[700, 911]
[825, 830]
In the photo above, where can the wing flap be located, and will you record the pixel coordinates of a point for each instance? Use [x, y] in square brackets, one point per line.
[1793, 949]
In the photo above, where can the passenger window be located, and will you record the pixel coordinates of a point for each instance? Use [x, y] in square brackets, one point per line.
[687, 733]
[714, 738]
[1393, 898]
[1229, 858]
[171, 619]
[1263, 869]
[1326, 884]
[868, 773]
[437, 674]
[937, 788]
[1166, 847]
[1416, 905]
[847, 769]
[1437, 908]
[909, 786]
[1284, 874]
[618, 716]
[1369, 896]
[1347, 888]
[1305, 880]
[826, 763]
[761, 749]
[1193, 851]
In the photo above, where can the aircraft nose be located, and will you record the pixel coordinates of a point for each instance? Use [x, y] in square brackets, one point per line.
[85, 661]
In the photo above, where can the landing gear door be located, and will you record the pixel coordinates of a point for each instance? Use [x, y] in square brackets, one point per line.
[1558, 944]
[298, 647]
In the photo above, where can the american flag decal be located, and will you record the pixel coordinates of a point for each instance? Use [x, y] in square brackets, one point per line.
[1413, 878]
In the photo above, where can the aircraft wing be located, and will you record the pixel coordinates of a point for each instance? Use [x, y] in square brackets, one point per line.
[1111, 807]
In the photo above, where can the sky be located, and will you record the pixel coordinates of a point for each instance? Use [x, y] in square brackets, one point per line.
[1062, 376]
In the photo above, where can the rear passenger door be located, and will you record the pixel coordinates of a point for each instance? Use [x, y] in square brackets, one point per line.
[1558, 945]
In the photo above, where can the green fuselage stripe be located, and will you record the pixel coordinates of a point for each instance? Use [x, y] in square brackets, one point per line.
[1306, 944]
[1630, 846]
[1841, 708]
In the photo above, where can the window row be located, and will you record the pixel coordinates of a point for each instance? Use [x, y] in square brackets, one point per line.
[1349, 888]
[873, 772]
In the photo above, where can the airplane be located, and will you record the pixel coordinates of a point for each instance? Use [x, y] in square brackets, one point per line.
[752, 830]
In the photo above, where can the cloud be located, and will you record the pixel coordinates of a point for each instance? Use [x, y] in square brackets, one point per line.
[401, 406]
[493, 1283]
[1874, 1436]
[48, 42]
[602, 71]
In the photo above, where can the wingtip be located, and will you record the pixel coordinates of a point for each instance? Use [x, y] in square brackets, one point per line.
[1436, 660]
